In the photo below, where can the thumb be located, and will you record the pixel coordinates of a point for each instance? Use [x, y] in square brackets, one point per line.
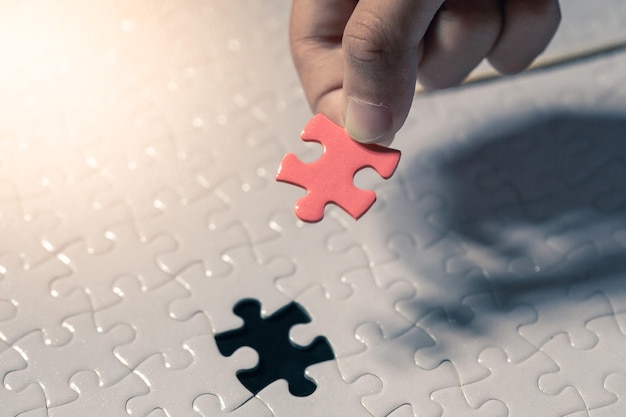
[381, 45]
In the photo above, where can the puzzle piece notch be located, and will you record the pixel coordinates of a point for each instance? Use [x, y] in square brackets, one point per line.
[97, 398]
[23, 402]
[279, 358]
[610, 287]
[392, 360]
[307, 246]
[411, 215]
[75, 215]
[558, 312]
[128, 255]
[461, 343]
[139, 184]
[425, 270]
[454, 403]
[188, 223]
[25, 294]
[238, 196]
[23, 230]
[89, 349]
[175, 389]
[526, 398]
[334, 396]
[15, 403]
[208, 405]
[587, 369]
[367, 303]
[615, 384]
[215, 296]
[156, 331]
[330, 178]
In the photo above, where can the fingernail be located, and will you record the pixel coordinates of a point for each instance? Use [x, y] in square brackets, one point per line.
[367, 122]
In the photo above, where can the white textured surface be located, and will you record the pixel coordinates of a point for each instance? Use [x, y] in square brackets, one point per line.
[137, 147]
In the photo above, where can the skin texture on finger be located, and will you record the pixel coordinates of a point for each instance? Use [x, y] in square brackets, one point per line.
[315, 34]
[528, 28]
[460, 36]
[381, 45]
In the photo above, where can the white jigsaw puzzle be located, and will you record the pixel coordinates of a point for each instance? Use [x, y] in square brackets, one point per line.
[88, 348]
[138, 147]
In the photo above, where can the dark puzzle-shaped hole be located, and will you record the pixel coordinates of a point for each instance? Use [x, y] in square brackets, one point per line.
[279, 357]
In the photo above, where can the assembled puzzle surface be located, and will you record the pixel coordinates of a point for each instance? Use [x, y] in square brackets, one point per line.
[147, 252]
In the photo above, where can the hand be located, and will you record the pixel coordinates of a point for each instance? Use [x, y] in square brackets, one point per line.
[358, 61]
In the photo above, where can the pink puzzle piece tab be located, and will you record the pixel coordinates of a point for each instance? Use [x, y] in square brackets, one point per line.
[330, 178]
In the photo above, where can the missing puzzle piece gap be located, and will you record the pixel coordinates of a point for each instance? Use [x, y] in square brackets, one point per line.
[279, 358]
[330, 178]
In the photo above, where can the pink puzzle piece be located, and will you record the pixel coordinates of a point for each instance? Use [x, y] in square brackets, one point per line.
[330, 178]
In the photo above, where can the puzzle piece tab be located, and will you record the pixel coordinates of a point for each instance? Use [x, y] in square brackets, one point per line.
[97, 398]
[156, 332]
[50, 366]
[403, 381]
[17, 402]
[334, 396]
[174, 389]
[330, 178]
[587, 369]
[525, 399]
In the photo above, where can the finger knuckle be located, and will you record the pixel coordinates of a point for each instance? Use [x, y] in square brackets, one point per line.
[539, 8]
[478, 15]
[368, 41]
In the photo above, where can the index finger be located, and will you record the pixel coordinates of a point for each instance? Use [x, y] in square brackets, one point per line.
[315, 34]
